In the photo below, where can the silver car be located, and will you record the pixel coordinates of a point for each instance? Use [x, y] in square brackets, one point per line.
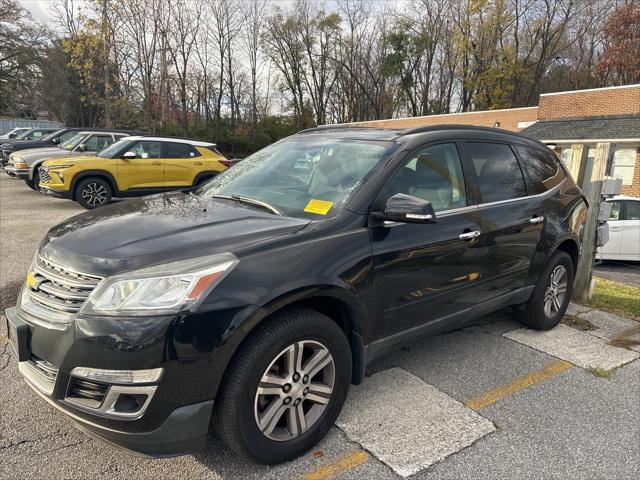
[24, 164]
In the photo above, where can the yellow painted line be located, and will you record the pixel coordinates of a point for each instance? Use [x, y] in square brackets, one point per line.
[492, 396]
[332, 469]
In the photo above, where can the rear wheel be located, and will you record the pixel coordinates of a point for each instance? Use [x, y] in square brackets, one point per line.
[551, 296]
[93, 193]
[285, 387]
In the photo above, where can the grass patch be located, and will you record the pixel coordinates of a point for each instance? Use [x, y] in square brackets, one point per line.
[578, 323]
[601, 372]
[614, 297]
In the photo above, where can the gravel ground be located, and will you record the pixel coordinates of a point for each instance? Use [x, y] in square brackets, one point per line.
[572, 425]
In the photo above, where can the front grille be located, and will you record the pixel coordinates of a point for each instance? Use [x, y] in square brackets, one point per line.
[58, 288]
[87, 393]
[44, 175]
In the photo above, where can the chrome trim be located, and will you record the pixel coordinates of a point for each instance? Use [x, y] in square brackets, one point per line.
[519, 199]
[35, 379]
[106, 408]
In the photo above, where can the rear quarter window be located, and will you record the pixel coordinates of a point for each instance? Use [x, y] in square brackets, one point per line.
[541, 169]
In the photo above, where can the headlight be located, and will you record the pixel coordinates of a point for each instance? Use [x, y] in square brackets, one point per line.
[164, 289]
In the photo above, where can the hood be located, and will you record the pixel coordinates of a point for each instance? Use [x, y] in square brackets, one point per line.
[31, 155]
[159, 229]
[23, 144]
[73, 157]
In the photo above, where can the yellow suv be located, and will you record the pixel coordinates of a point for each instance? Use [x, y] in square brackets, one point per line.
[133, 166]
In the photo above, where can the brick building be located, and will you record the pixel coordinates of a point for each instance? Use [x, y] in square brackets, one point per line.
[561, 119]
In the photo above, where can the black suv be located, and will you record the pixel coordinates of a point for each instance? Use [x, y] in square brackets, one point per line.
[253, 302]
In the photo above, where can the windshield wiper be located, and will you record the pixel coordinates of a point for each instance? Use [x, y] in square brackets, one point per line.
[250, 201]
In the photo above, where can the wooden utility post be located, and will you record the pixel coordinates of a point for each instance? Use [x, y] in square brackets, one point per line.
[579, 153]
[593, 171]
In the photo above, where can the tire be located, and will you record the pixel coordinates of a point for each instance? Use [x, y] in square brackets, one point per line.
[93, 193]
[34, 183]
[539, 314]
[239, 405]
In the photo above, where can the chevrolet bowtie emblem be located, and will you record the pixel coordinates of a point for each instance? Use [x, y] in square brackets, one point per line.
[32, 282]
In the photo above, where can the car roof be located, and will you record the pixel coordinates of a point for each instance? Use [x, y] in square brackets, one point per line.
[88, 132]
[188, 141]
[390, 134]
[623, 197]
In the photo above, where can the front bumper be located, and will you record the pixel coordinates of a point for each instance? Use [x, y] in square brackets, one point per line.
[17, 172]
[55, 193]
[176, 420]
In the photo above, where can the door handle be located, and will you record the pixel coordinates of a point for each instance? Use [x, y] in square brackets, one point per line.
[156, 163]
[614, 229]
[539, 219]
[469, 235]
[198, 163]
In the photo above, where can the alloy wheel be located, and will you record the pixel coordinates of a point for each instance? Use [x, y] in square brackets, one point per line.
[94, 194]
[556, 291]
[294, 390]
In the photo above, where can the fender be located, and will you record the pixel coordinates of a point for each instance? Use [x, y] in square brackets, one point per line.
[207, 174]
[94, 173]
[252, 316]
[34, 167]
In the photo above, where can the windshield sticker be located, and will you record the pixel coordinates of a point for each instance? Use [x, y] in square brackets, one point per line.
[321, 207]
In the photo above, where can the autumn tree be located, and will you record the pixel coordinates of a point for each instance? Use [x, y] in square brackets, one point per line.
[620, 61]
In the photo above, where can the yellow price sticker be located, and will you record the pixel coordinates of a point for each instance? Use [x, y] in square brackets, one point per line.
[321, 207]
[32, 282]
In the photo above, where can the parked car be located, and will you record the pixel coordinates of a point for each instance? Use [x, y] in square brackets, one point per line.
[55, 137]
[133, 166]
[13, 133]
[624, 230]
[255, 300]
[34, 137]
[26, 163]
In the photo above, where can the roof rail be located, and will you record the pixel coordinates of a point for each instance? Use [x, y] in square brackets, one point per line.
[450, 126]
[342, 126]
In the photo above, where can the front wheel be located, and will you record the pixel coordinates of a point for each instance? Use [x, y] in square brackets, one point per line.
[93, 193]
[551, 295]
[285, 387]
[34, 183]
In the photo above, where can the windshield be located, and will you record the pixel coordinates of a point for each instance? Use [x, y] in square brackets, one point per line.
[302, 177]
[73, 141]
[113, 149]
[52, 135]
[23, 134]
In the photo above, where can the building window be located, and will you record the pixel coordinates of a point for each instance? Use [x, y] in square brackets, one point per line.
[623, 165]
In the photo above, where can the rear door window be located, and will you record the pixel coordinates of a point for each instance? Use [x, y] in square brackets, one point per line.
[542, 170]
[497, 170]
[179, 150]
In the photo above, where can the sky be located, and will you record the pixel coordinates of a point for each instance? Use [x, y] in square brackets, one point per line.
[40, 9]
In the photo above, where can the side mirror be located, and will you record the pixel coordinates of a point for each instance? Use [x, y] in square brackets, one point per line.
[55, 141]
[11, 135]
[407, 209]
[82, 147]
[129, 155]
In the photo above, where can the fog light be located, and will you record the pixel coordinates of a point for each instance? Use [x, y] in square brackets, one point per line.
[123, 377]
[129, 403]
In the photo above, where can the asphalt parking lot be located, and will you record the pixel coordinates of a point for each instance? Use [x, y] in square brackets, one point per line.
[489, 401]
